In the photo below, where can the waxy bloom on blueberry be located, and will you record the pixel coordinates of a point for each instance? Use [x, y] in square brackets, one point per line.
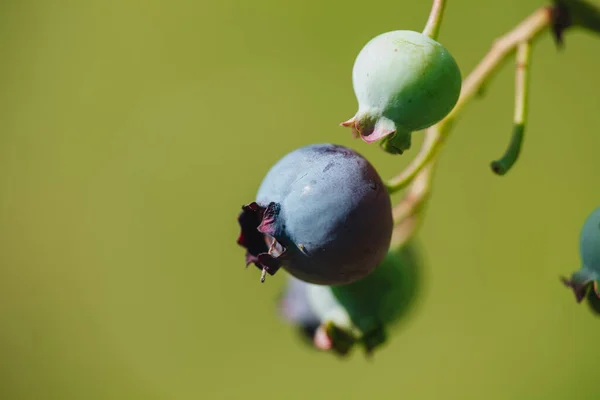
[322, 213]
[404, 81]
[362, 312]
[587, 276]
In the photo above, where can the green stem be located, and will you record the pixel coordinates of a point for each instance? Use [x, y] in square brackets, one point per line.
[409, 213]
[432, 28]
[427, 153]
[508, 159]
[528, 30]
[505, 163]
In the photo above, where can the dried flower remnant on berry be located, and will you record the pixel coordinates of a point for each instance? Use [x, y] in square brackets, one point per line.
[257, 228]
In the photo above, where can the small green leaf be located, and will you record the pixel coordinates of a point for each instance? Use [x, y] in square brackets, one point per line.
[373, 339]
[342, 342]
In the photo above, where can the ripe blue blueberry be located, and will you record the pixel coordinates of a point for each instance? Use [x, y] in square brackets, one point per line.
[589, 248]
[361, 312]
[322, 213]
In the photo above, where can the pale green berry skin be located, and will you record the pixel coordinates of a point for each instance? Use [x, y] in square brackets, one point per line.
[407, 80]
[589, 250]
[589, 243]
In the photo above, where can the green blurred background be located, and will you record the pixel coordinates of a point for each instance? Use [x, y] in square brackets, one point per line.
[131, 132]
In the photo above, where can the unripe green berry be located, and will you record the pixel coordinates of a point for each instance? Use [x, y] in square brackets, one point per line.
[404, 81]
[589, 242]
[589, 248]
[364, 310]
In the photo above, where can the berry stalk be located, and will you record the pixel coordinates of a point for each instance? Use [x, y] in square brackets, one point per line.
[407, 213]
[505, 163]
[432, 28]
[418, 175]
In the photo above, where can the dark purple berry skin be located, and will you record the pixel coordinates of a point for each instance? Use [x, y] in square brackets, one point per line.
[322, 213]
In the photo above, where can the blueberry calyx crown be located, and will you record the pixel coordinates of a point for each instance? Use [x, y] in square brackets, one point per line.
[257, 225]
[372, 127]
[580, 289]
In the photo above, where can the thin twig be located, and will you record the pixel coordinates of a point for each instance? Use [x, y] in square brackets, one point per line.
[432, 28]
[505, 163]
[418, 176]
[528, 30]
[412, 200]
[408, 213]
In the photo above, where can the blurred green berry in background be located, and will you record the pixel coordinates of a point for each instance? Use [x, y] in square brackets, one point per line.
[363, 312]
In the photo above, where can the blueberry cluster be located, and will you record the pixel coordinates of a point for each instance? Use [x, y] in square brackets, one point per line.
[322, 212]
[324, 215]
